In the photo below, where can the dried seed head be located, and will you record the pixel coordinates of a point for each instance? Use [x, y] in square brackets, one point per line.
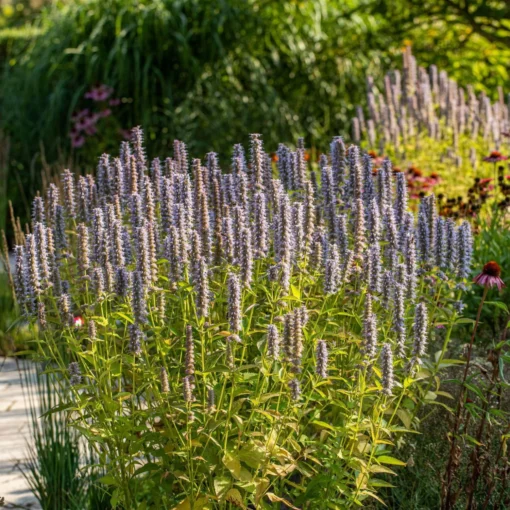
[41, 315]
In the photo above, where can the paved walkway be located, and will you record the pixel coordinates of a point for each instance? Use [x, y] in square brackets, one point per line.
[14, 433]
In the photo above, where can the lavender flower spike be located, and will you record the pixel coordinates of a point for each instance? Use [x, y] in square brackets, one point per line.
[273, 341]
[74, 373]
[386, 362]
[321, 354]
[234, 303]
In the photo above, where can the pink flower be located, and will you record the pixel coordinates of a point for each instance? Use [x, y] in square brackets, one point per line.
[87, 122]
[90, 130]
[105, 113]
[490, 276]
[78, 322]
[114, 102]
[80, 115]
[100, 93]
[77, 140]
[494, 157]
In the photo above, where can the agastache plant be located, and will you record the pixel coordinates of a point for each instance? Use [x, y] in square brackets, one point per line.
[237, 317]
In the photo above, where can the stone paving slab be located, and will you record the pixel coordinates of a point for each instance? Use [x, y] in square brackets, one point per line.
[14, 435]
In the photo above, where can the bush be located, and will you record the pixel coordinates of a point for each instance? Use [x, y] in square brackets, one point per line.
[239, 338]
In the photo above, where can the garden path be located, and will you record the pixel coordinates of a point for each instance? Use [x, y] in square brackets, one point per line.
[14, 433]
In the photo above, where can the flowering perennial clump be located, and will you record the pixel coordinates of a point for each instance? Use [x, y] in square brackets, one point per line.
[241, 329]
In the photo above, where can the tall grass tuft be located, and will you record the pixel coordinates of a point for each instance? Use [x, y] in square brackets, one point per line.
[56, 469]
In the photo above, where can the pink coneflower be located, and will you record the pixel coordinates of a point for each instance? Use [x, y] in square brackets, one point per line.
[87, 122]
[114, 102]
[77, 140]
[105, 113]
[490, 276]
[90, 130]
[77, 116]
[494, 157]
[376, 159]
[100, 93]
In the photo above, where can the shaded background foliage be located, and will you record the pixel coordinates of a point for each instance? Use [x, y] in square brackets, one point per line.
[209, 72]
[206, 72]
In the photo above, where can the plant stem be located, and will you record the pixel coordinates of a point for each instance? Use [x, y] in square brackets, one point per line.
[448, 503]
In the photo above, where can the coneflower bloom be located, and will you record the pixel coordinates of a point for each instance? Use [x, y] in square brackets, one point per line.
[490, 276]
[495, 157]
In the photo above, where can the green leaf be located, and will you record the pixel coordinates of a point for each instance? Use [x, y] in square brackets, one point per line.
[221, 486]
[386, 459]
[276, 499]
[475, 389]
[232, 463]
[323, 424]
[472, 439]
[234, 496]
[253, 455]
[464, 320]
[108, 480]
[123, 316]
[498, 304]
[405, 417]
